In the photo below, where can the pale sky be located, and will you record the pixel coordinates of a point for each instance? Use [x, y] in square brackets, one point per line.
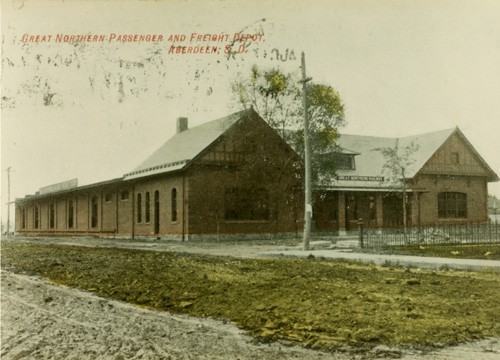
[94, 111]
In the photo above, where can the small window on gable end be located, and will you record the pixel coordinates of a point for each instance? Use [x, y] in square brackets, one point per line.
[455, 158]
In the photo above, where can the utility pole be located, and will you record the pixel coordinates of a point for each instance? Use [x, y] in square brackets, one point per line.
[8, 201]
[307, 158]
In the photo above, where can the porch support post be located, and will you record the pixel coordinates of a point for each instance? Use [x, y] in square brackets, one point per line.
[379, 210]
[415, 209]
[342, 225]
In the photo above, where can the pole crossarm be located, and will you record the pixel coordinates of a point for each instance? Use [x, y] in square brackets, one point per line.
[306, 80]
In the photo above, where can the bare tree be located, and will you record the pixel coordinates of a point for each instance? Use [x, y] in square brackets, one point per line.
[398, 162]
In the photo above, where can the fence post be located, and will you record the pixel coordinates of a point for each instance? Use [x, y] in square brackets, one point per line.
[466, 235]
[489, 229]
[360, 228]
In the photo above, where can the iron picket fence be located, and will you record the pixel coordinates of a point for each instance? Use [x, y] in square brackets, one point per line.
[449, 234]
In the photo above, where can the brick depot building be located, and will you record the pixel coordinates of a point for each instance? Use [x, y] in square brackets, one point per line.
[448, 183]
[236, 177]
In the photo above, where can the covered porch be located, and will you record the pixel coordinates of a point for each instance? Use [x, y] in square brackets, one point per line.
[338, 211]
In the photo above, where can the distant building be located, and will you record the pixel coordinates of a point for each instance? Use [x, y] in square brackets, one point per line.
[493, 205]
[236, 177]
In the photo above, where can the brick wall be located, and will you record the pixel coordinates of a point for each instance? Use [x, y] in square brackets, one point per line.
[475, 189]
[250, 157]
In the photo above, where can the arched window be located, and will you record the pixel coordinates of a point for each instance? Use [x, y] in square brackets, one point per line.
[71, 213]
[148, 210]
[52, 215]
[23, 218]
[157, 212]
[36, 217]
[174, 204]
[139, 208]
[94, 212]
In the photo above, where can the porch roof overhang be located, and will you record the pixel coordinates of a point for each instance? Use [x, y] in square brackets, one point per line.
[29, 198]
[367, 189]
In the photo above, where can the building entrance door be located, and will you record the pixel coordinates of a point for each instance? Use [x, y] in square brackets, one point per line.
[157, 212]
[351, 211]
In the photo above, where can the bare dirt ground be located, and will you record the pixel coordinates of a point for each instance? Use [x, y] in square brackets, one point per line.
[44, 321]
[41, 320]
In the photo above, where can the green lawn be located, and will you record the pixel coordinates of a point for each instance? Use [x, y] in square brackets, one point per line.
[458, 251]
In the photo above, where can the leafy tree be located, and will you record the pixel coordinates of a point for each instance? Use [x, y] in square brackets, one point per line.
[398, 162]
[277, 97]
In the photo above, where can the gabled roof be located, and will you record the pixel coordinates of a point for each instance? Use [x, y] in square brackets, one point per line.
[428, 144]
[493, 177]
[369, 163]
[178, 151]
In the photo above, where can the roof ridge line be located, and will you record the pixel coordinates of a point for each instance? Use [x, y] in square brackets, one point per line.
[400, 137]
[430, 132]
[165, 165]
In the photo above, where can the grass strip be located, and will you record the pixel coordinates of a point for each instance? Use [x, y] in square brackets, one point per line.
[454, 251]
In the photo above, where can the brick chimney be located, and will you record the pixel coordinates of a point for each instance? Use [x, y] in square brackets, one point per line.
[182, 124]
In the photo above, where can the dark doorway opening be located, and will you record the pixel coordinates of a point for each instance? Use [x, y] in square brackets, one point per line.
[351, 211]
